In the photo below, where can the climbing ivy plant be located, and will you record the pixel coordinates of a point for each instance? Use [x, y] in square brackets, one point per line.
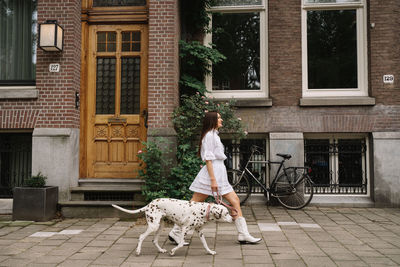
[196, 60]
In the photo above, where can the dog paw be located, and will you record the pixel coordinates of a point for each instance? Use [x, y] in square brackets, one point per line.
[163, 250]
[172, 253]
[212, 252]
[137, 252]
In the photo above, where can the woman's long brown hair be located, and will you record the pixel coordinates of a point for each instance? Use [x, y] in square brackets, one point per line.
[210, 122]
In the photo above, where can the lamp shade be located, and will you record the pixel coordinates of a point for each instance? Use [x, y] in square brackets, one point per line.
[51, 36]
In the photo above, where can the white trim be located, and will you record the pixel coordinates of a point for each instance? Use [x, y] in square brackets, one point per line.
[362, 57]
[248, 94]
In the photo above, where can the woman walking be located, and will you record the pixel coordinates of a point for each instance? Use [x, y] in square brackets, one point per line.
[213, 177]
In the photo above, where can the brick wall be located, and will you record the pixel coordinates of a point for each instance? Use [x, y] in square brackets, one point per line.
[163, 69]
[284, 41]
[55, 105]
[285, 77]
[385, 50]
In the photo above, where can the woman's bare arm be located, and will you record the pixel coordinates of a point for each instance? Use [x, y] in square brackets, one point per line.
[210, 169]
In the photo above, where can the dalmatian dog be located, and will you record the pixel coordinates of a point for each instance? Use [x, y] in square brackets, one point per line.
[186, 214]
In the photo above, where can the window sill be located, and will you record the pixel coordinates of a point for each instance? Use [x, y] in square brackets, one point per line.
[338, 101]
[249, 102]
[27, 92]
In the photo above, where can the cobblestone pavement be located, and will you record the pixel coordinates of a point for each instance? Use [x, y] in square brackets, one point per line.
[309, 237]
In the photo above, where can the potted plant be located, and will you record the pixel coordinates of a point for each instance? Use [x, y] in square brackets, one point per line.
[35, 201]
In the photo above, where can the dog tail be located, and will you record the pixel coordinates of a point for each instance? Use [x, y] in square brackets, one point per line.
[128, 211]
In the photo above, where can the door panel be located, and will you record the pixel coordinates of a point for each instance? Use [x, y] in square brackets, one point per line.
[117, 99]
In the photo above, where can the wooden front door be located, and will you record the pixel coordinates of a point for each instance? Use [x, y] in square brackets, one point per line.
[116, 99]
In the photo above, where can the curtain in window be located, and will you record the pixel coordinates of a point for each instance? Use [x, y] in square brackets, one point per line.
[18, 34]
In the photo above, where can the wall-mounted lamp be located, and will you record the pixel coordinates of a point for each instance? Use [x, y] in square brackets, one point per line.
[51, 36]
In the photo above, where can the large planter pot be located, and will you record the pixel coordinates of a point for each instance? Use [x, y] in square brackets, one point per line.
[35, 204]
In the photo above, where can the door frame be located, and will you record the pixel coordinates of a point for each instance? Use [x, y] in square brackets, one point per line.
[85, 80]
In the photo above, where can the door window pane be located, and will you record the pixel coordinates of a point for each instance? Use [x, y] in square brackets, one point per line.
[18, 34]
[332, 49]
[105, 85]
[130, 85]
[106, 41]
[236, 2]
[130, 41]
[237, 36]
[109, 3]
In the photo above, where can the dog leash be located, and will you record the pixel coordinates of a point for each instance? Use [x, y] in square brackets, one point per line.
[218, 200]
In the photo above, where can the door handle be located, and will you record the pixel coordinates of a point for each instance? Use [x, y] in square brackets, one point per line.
[146, 116]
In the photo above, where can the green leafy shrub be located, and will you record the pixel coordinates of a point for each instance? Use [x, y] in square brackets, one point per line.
[182, 175]
[154, 164]
[38, 180]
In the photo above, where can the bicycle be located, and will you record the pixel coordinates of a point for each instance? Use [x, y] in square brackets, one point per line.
[288, 187]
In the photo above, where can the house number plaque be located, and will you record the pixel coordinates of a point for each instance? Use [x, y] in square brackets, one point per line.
[54, 67]
[388, 79]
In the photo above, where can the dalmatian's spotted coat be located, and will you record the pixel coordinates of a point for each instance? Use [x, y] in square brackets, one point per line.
[186, 214]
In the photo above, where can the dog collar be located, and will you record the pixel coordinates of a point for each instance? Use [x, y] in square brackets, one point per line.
[208, 212]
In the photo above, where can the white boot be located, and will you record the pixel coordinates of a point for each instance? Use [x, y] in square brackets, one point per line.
[174, 235]
[244, 236]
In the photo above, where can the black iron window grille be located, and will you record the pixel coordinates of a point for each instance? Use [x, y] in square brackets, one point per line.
[15, 161]
[238, 154]
[338, 165]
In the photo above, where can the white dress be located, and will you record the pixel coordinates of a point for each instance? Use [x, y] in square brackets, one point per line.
[212, 149]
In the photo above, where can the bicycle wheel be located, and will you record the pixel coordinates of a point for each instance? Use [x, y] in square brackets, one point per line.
[293, 190]
[240, 184]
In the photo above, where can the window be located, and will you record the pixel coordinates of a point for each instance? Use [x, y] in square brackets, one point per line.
[15, 161]
[338, 164]
[239, 32]
[18, 33]
[334, 48]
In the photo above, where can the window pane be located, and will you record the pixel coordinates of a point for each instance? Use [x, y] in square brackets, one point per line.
[332, 49]
[130, 85]
[130, 41]
[18, 34]
[350, 162]
[317, 157]
[118, 3]
[105, 85]
[236, 2]
[237, 36]
[330, 1]
[106, 41]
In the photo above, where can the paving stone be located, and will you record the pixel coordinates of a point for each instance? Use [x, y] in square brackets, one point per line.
[50, 259]
[289, 262]
[168, 262]
[312, 261]
[16, 262]
[75, 263]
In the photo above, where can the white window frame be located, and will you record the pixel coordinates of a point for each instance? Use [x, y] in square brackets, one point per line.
[263, 92]
[334, 162]
[362, 56]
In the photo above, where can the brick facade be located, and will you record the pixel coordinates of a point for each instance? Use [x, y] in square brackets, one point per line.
[163, 72]
[285, 77]
[55, 105]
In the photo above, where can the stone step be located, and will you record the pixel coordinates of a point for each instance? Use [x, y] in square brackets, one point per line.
[102, 188]
[109, 182]
[93, 198]
[98, 209]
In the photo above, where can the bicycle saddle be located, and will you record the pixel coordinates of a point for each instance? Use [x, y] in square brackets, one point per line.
[285, 156]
